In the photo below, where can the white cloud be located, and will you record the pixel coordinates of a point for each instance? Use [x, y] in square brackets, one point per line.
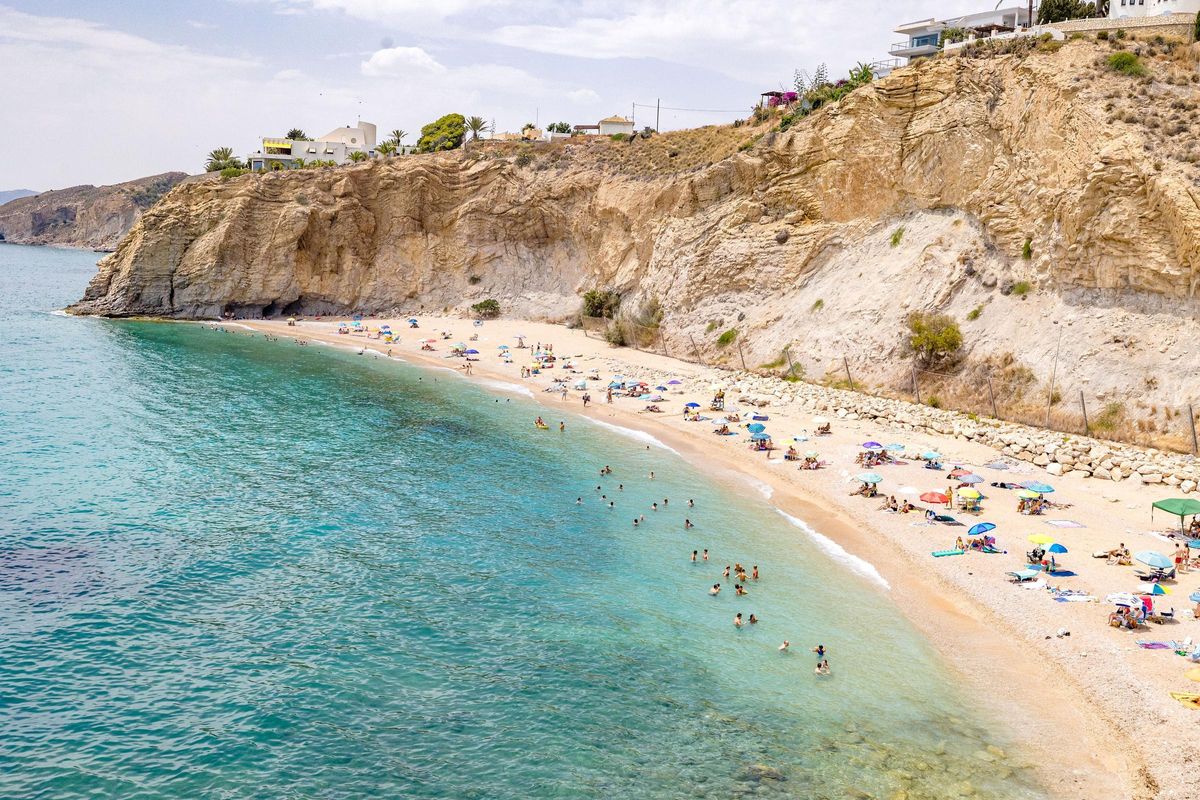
[582, 96]
[201, 25]
[288, 75]
[395, 62]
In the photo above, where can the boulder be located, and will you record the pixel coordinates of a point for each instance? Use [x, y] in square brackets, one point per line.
[1054, 468]
[1187, 486]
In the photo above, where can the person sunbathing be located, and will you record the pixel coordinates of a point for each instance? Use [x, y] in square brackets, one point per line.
[905, 507]
[653, 409]
[791, 454]
[824, 430]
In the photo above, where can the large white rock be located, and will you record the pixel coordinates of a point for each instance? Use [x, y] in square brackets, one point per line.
[1054, 468]
[1187, 486]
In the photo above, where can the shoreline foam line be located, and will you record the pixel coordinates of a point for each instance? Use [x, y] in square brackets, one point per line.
[504, 386]
[640, 436]
[838, 553]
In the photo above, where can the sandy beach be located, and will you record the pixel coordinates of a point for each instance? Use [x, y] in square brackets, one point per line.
[1092, 708]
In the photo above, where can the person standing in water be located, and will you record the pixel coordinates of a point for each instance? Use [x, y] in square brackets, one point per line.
[694, 553]
[706, 554]
[737, 619]
[783, 648]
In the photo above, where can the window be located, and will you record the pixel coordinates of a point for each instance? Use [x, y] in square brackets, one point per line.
[353, 140]
[923, 41]
[312, 150]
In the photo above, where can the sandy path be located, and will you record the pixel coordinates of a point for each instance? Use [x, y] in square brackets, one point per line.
[1093, 708]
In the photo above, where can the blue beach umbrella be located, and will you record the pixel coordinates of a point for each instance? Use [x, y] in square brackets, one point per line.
[1194, 544]
[1056, 548]
[412, 320]
[692, 405]
[674, 383]
[873, 445]
[895, 447]
[1194, 597]
[660, 388]
[972, 478]
[503, 347]
[760, 437]
[931, 455]
[472, 352]
[756, 427]
[869, 477]
[614, 385]
[1038, 486]
[981, 529]
[1153, 559]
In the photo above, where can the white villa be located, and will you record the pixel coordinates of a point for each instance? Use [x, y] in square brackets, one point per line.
[337, 145]
[924, 36]
[616, 124]
[1151, 8]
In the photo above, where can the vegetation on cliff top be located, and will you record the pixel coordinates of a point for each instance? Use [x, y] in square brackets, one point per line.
[444, 133]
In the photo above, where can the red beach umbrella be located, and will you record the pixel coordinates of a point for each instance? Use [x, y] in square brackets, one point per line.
[935, 497]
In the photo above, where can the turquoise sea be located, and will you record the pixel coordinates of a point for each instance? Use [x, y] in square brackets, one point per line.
[238, 568]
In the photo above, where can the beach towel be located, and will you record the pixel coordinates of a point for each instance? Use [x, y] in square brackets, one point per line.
[1064, 523]
[1156, 645]
[1075, 598]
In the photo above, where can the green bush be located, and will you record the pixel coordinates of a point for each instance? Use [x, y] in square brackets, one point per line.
[1027, 249]
[974, 313]
[897, 235]
[1102, 36]
[817, 305]
[601, 303]
[1196, 28]
[1022, 288]
[726, 338]
[232, 172]
[933, 337]
[1126, 63]
[620, 137]
[1109, 418]
[445, 133]
[934, 401]
[486, 309]
[474, 279]
[524, 158]
[711, 326]
[614, 334]
[1120, 33]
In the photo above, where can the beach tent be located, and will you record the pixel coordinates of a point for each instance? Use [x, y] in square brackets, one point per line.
[1057, 548]
[1179, 506]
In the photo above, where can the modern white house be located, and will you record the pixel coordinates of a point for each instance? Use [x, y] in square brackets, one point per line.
[923, 37]
[615, 124]
[337, 145]
[1151, 8]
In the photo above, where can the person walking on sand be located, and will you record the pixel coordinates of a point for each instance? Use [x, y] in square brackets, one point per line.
[608, 397]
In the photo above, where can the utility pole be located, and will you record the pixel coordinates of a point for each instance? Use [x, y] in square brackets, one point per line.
[657, 111]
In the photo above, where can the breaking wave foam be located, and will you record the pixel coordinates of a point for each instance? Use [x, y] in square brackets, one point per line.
[640, 436]
[837, 552]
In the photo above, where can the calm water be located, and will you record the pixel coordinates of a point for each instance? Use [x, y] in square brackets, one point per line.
[236, 568]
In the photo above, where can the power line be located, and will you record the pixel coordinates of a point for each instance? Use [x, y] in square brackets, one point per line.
[701, 110]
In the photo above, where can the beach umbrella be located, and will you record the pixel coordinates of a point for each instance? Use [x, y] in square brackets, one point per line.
[503, 347]
[614, 385]
[1194, 544]
[760, 437]
[756, 427]
[412, 320]
[997, 465]
[958, 472]
[1025, 494]
[981, 529]
[1038, 486]
[873, 445]
[1179, 506]
[720, 421]
[1153, 588]
[1041, 538]
[342, 325]
[1194, 597]
[934, 497]
[971, 478]
[811, 454]
[645, 397]
[674, 383]
[869, 477]
[1123, 599]
[660, 388]
[970, 494]
[895, 447]
[931, 455]
[658, 398]
[1153, 559]
[472, 352]
[820, 421]
[1056, 548]
[692, 405]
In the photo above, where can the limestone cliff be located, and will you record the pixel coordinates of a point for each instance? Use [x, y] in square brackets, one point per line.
[94, 217]
[918, 192]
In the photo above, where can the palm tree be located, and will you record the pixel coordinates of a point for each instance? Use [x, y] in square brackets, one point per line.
[358, 155]
[477, 126]
[398, 137]
[386, 148]
[221, 158]
[297, 134]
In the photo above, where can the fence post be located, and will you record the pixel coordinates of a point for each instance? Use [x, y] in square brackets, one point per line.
[846, 364]
[992, 397]
[696, 350]
[916, 385]
[663, 343]
[787, 351]
[1087, 429]
[1053, 375]
[742, 356]
[1192, 425]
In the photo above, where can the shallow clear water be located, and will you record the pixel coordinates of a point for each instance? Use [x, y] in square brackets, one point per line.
[237, 568]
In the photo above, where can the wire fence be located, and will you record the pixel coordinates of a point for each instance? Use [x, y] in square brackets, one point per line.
[1002, 391]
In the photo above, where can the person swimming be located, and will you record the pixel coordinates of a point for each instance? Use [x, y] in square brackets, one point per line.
[820, 651]
[725, 574]
[740, 590]
[783, 648]
[753, 620]
[654, 506]
[737, 619]
[578, 501]
[754, 574]
[694, 554]
[635, 522]
[687, 524]
[715, 590]
[690, 503]
[706, 554]
[822, 668]
[665, 502]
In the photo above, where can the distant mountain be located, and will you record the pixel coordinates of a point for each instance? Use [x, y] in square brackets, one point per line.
[14, 194]
[93, 217]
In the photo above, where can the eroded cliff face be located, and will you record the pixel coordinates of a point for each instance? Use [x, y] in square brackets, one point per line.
[971, 157]
[93, 217]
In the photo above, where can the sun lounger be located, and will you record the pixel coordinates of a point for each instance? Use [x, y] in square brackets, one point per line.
[1024, 575]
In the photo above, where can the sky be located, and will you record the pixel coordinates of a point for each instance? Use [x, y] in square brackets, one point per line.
[99, 91]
